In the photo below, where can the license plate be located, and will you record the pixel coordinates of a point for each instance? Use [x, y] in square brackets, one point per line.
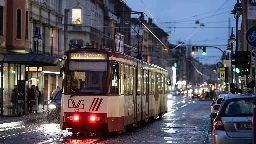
[244, 126]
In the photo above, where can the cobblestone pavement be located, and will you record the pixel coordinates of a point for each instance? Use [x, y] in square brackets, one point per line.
[186, 122]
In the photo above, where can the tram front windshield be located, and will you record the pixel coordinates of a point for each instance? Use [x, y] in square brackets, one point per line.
[87, 77]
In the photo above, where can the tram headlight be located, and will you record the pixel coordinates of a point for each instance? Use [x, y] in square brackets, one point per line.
[52, 106]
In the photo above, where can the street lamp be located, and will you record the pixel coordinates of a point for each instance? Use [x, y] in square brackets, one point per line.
[228, 48]
[237, 11]
[37, 38]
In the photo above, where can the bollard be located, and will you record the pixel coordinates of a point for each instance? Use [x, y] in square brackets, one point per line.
[254, 119]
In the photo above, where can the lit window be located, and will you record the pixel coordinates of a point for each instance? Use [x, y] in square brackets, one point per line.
[76, 16]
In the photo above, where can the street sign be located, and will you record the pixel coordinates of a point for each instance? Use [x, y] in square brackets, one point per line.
[251, 36]
[226, 63]
[253, 57]
[219, 65]
[222, 74]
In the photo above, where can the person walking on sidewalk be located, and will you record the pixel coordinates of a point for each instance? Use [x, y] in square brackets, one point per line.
[31, 98]
[35, 104]
[20, 102]
[54, 93]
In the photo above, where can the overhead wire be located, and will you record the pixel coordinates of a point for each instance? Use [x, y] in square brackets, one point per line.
[198, 28]
[180, 20]
[148, 28]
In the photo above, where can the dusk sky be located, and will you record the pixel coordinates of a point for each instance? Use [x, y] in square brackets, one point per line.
[178, 17]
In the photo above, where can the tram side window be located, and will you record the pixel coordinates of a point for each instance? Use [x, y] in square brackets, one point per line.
[153, 82]
[150, 82]
[139, 80]
[145, 81]
[115, 78]
[165, 85]
[131, 80]
[122, 79]
[162, 84]
[159, 78]
[126, 79]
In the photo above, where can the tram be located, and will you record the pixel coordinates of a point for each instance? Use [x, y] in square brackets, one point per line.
[110, 91]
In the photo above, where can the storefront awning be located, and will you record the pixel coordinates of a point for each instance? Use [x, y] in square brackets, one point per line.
[29, 59]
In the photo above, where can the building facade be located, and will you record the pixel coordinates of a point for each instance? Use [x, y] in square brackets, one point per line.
[32, 42]
[152, 50]
[84, 22]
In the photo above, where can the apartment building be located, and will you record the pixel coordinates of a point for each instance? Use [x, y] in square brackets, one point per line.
[30, 43]
[84, 22]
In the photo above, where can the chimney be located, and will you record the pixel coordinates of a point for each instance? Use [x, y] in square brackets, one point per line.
[149, 20]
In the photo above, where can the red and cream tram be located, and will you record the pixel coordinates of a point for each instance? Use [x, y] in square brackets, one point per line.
[106, 90]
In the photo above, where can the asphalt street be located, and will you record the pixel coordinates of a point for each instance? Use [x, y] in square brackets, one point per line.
[186, 122]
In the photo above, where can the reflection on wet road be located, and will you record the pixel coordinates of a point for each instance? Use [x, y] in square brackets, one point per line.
[186, 121]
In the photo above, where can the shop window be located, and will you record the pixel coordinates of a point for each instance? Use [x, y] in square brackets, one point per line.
[76, 16]
[10, 82]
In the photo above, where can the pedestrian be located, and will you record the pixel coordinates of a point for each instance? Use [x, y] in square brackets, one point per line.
[54, 93]
[20, 102]
[14, 99]
[39, 95]
[31, 98]
[35, 104]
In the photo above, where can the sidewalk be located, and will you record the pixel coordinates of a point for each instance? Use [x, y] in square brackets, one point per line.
[41, 114]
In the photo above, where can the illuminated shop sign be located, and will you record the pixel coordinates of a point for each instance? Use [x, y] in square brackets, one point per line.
[88, 56]
[34, 69]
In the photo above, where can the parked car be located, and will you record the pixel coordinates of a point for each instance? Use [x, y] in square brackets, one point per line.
[233, 124]
[215, 105]
[54, 107]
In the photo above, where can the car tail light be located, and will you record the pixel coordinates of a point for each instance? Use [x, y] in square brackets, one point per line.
[218, 124]
[216, 107]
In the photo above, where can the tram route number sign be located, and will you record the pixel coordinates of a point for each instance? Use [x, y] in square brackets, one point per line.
[87, 55]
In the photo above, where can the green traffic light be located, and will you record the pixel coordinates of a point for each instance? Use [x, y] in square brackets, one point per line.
[238, 70]
[204, 53]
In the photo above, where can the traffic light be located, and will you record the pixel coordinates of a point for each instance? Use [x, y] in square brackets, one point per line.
[246, 62]
[237, 62]
[204, 50]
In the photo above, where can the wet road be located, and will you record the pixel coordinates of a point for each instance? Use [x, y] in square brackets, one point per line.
[187, 121]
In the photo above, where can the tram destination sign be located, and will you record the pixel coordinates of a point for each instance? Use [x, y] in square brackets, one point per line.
[87, 56]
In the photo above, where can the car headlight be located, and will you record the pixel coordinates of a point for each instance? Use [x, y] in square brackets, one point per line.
[52, 106]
